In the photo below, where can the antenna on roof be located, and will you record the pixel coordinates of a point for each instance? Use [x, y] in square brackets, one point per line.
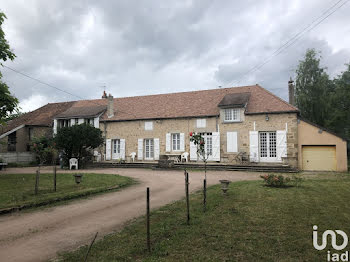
[104, 95]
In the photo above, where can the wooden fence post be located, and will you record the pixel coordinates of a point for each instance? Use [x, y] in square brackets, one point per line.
[54, 178]
[187, 198]
[37, 182]
[204, 195]
[88, 251]
[148, 224]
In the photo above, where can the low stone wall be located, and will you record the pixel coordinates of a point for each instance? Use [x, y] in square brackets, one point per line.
[17, 157]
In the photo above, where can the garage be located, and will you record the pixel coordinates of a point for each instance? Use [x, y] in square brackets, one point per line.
[319, 158]
[320, 149]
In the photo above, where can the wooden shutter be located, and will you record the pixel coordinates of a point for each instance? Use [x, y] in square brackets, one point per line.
[122, 149]
[281, 144]
[108, 149]
[254, 146]
[193, 152]
[156, 148]
[140, 149]
[216, 146]
[232, 144]
[168, 142]
[182, 142]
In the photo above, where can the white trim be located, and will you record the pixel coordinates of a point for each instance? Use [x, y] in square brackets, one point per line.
[238, 114]
[11, 131]
[254, 126]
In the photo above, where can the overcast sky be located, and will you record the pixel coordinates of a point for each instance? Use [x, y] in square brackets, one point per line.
[150, 47]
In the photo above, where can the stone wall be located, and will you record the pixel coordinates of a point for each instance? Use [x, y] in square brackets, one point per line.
[22, 136]
[131, 131]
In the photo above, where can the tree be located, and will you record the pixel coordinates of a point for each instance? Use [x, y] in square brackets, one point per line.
[44, 149]
[78, 141]
[8, 103]
[313, 89]
[340, 113]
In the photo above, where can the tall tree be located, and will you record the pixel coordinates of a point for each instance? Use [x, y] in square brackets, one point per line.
[340, 113]
[313, 89]
[8, 103]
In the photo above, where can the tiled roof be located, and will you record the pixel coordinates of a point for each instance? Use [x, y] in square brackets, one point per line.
[82, 111]
[234, 100]
[194, 104]
[43, 116]
[174, 105]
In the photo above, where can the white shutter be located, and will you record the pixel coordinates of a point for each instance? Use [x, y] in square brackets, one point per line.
[201, 123]
[193, 151]
[108, 149]
[216, 146]
[254, 146]
[72, 122]
[55, 126]
[182, 142]
[140, 149]
[232, 145]
[168, 142]
[80, 121]
[281, 148]
[156, 148]
[122, 149]
[97, 122]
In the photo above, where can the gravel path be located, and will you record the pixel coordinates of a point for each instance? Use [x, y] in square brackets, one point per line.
[39, 235]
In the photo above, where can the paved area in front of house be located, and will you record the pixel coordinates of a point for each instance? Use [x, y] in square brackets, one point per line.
[39, 235]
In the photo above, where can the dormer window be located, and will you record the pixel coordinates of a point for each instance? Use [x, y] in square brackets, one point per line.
[232, 115]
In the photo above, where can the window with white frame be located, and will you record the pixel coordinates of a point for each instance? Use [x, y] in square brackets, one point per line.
[149, 125]
[116, 146]
[201, 123]
[175, 139]
[232, 115]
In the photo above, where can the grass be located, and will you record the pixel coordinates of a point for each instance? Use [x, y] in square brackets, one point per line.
[18, 189]
[252, 223]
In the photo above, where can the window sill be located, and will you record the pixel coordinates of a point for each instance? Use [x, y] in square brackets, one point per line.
[229, 122]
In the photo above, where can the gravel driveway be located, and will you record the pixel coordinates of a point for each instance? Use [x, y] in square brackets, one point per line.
[39, 235]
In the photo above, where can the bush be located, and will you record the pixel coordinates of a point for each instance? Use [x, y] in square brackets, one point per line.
[281, 181]
[275, 180]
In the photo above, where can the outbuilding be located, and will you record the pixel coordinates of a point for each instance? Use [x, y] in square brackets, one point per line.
[320, 149]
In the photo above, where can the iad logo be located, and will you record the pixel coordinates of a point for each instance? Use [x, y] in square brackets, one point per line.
[333, 235]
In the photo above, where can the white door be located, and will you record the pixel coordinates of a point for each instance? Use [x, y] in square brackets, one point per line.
[116, 149]
[149, 149]
[208, 146]
[267, 146]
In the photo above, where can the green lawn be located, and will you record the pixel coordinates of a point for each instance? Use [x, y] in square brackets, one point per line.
[18, 189]
[251, 223]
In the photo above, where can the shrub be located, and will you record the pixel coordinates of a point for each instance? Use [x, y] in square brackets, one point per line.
[276, 180]
[281, 181]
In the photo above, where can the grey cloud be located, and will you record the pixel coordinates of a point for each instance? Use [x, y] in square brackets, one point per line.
[145, 47]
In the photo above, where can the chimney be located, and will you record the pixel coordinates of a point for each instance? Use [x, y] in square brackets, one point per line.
[104, 95]
[110, 106]
[291, 92]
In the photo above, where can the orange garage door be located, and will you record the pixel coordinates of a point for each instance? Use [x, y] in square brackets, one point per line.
[319, 158]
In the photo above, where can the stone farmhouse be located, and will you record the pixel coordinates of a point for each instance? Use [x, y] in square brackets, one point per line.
[247, 121]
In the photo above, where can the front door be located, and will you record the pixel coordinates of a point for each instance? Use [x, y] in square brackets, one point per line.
[267, 146]
[116, 149]
[149, 149]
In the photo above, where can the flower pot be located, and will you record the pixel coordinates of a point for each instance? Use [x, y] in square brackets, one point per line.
[224, 185]
[78, 178]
